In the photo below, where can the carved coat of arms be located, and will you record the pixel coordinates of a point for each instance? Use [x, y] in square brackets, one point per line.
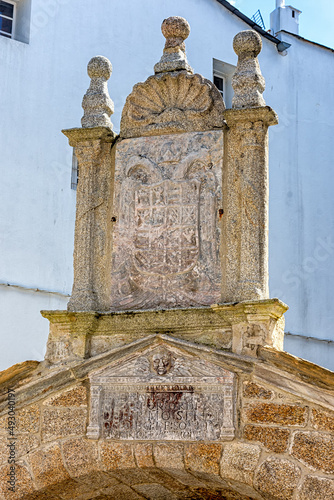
[166, 227]
[166, 242]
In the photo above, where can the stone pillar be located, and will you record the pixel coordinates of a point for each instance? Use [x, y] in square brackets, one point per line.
[92, 147]
[245, 179]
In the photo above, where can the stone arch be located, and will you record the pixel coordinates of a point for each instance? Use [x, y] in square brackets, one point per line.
[79, 468]
[113, 478]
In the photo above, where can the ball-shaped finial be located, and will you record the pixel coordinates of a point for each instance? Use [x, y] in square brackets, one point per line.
[247, 41]
[175, 27]
[99, 67]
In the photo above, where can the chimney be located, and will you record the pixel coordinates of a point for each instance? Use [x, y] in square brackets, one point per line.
[284, 17]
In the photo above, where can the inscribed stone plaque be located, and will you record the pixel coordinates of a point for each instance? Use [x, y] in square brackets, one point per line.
[162, 394]
[167, 234]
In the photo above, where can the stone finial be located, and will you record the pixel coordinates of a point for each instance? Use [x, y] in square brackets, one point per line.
[247, 82]
[175, 29]
[96, 103]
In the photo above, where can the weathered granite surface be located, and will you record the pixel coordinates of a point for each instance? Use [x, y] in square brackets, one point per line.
[152, 419]
[246, 179]
[193, 402]
[166, 250]
[169, 103]
[247, 82]
[173, 100]
[162, 394]
[96, 103]
[242, 328]
[175, 30]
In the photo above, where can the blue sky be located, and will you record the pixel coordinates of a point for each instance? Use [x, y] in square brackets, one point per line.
[316, 20]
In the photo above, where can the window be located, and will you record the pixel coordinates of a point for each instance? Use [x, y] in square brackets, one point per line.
[15, 18]
[219, 81]
[293, 13]
[7, 13]
[222, 78]
[75, 171]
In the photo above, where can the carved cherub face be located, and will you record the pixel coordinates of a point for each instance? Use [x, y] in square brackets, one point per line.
[162, 362]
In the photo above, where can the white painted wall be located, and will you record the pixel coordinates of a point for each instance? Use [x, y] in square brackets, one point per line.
[41, 87]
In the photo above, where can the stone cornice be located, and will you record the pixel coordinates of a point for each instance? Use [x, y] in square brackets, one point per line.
[262, 113]
[77, 136]
[282, 370]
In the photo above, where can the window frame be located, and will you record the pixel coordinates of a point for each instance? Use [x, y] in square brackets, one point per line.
[13, 19]
[217, 74]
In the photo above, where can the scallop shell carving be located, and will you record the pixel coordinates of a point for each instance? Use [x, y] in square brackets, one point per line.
[171, 103]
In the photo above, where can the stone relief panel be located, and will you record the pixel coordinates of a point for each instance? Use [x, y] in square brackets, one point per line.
[167, 234]
[162, 394]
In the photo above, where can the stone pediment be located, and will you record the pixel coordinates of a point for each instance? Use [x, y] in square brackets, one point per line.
[172, 103]
[162, 393]
[159, 363]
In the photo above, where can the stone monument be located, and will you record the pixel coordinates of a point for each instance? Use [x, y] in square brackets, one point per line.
[166, 376]
[171, 215]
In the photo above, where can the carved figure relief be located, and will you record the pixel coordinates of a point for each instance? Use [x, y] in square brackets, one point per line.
[166, 241]
[162, 362]
[162, 394]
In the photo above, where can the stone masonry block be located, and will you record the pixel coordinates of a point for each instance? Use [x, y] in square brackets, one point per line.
[80, 456]
[273, 439]
[316, 488]
[276, 479]
[239, 462]
[314, 449]
[255, 391]
[120, 492]
[116, 455]
[62, 422]
[167, 479]
[169, 455]
[47, 466]
[27, 419]
[25, 443]
[155, 491]
[131, 476]
[72, 397]
[322, 420]
[271, 413]
[203, 457]
[24, 484]
[144, 454]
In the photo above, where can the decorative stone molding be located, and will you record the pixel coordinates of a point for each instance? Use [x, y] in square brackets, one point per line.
[247, 82]
[241, 328]
[162, 393]
[173, 100]
[170, 103]
[175, 30]
[255, 324]
[96, 103]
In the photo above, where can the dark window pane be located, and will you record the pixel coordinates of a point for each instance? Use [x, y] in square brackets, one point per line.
[6, 25]
[219, 82]
[6, 36]
[6, 9]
